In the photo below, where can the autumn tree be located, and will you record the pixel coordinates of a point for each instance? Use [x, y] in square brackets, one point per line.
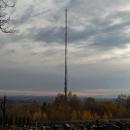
[74, 105]
[56, 109]
[87, 115]
[4, 15]
[33, 108]
[77, 109]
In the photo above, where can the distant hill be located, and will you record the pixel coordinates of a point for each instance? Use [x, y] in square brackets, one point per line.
[22, 98]
[30, 98]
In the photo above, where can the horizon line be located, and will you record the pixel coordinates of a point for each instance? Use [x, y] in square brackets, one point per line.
[87, 92]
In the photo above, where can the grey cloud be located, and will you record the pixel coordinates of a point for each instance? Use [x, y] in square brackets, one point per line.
[50, 35]
[27, 15]
[97, 76]
[80, 78]
[13, 38]
[56, 35]
[13, 79]
[99, 28]
[11, 52]
[105, 35]
[98, 16]
[111, 40]
[108, 35]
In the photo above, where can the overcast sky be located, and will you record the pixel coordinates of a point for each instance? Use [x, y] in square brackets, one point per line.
[32, 59]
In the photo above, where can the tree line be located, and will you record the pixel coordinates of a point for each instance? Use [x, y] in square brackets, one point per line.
[73, 109]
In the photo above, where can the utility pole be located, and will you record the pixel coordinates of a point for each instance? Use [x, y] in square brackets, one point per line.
[66, 42]
[3, 108]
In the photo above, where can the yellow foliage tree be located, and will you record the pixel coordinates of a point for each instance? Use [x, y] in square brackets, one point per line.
[86, 115]
[74, 116]
[40, 116]
[44, 116]
[37, 116]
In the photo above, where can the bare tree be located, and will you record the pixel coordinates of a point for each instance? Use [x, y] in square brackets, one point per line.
[4, 16]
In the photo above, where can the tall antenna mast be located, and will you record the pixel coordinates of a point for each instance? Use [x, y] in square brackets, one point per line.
[66, 42]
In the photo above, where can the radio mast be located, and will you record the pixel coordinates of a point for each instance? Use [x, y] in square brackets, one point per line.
[66, 42]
